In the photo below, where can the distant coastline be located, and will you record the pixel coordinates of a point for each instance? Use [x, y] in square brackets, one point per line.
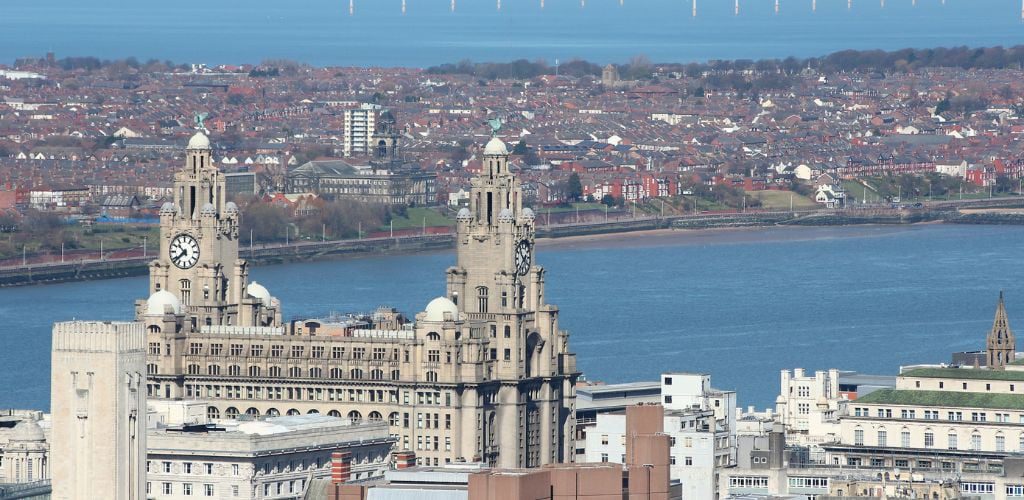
[568, 235]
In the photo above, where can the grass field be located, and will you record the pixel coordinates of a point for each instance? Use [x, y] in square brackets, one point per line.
[418, 217]
[779, 200]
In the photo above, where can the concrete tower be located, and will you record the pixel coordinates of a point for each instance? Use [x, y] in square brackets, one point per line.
[496, 284]
[99, 411]
[1001, 346]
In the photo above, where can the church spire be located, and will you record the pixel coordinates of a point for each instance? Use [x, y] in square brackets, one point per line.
[1001, 345]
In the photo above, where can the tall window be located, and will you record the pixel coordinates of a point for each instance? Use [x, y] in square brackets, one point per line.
[858, 437]
[1000, 443]
[952, 441]
[882, 438]
[481, 297]
[929, 439]
[186, 292]
[976, 442]
[905, 439]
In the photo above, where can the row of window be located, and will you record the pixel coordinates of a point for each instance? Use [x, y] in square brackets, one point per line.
[295, 372]
[759, 482]
[808, 482]
[296, 351]
[187, 468]
[188, 489]
[952, 440]
[423, 398]
[953, 416]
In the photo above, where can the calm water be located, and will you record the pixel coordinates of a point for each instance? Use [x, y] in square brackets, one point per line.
[740, 305]
[378, 33]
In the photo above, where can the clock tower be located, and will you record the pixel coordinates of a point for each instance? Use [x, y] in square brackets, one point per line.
[497, 284]
[199, 264]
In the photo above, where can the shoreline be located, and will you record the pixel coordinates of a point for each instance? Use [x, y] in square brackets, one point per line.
[645, 232]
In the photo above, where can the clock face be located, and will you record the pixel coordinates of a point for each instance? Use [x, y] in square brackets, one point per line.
[184, 251]
[523, 256]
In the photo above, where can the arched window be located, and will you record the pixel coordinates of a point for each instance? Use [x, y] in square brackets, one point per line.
[395, 374]
[273, 412]
[293, 412]
[433, 336]
[431, 376]
[375, 416]
[313, 412]
[193, 369]
[154, 329]
[376, 374]
[481, 297]
[275, 371]
[393, 419]
[355, 416]
[213, 370]
[357, 373]
[231, 412]
[212, 413]
[335, 373]
[295, 372]
[252, 412]
[316, 372]
[254, 371]
[334, 413]
[234, 370]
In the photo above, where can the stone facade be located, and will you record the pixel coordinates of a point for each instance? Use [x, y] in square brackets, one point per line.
[482, 374]
[98, 433]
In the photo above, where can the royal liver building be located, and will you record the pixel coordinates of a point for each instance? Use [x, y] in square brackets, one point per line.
[482, 374]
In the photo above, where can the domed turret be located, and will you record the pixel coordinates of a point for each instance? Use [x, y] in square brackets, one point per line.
[231, 208]
[199, 141]
[208, 210]
[27, 430]
[158, 303]
[496, 147]
[168, 208]
[464, 215]
[258, 291]
[506, 215]
[441, 309]
[528, 215]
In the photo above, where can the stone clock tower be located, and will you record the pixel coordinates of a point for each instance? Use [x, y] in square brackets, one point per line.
[497, 285]
[199, 265]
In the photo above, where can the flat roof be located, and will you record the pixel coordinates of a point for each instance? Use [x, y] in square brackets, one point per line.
[964, 373]
[944, 399]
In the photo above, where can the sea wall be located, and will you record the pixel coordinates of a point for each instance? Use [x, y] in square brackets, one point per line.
[307, 251]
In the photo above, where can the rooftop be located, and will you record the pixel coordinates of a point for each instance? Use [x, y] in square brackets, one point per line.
[964, 373]
[945, 399]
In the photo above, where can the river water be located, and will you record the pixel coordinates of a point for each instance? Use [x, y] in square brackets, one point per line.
[740, 305]
[420, 33]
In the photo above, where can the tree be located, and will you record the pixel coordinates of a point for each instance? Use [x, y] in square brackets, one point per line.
[574, 188]
[520, 148]
[608, 200]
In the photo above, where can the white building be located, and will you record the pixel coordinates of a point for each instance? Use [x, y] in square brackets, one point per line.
[701, 422]
[273, 458]
[360, 124]
[98, 435]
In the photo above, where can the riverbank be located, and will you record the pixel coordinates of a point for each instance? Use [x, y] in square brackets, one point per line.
[565, 234]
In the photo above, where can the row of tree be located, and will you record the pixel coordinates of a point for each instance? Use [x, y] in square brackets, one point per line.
[843, 61]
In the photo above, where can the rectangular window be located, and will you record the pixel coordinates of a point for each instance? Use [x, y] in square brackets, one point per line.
[929, 440]
[905, 439]
[952, 442]
[1000, 443]
[186, 489]
[882, 438]
[858, 437]
[167, 488]
[208, 490]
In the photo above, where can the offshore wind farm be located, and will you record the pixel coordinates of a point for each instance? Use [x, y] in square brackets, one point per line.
[421, 33]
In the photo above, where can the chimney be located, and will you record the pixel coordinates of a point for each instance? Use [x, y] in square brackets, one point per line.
[405, 460]
[341, 467]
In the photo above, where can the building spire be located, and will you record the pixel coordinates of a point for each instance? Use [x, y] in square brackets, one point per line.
[1001, 343]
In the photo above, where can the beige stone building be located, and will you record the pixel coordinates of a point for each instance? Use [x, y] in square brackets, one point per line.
[484, 373]
[98, 411]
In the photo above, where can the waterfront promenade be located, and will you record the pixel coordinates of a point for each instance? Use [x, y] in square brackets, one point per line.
[132, 262]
